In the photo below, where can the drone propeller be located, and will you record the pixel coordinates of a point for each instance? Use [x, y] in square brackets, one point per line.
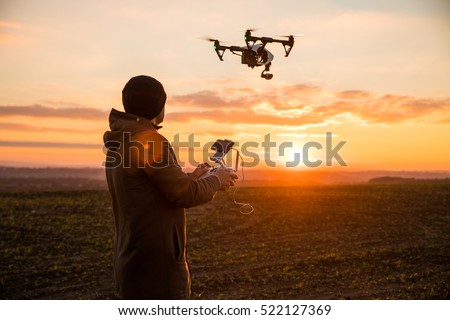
[207, 38]
[292, 35]
[250, 29]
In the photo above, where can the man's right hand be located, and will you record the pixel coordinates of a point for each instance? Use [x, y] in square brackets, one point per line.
[227, 177]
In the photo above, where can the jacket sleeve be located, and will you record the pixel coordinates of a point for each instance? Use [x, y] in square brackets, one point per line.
[179, 188]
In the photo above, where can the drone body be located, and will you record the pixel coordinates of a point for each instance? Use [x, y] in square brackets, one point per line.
[255, 54]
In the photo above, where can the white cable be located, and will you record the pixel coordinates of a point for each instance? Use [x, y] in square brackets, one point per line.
[242, 204]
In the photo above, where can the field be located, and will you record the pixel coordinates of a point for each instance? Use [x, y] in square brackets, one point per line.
[364, 241]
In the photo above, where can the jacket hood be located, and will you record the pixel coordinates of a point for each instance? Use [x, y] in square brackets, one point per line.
[121, 122]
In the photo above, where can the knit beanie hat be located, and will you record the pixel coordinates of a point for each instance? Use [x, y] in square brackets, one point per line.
[143, 96]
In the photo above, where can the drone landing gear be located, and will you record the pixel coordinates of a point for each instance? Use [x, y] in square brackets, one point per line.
[265, 73]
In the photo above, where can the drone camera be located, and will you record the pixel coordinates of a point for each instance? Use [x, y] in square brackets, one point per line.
[265, 74]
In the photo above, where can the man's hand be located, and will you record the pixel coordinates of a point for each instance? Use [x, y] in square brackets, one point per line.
[199, 171]
[227, 177]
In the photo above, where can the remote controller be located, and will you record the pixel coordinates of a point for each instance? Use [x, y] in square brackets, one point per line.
[221, 148]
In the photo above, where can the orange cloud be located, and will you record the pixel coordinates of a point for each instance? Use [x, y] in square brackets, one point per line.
[22, 127]
[208, 100]
[302, 89]
[353, 94]
[387, 108]
[281, 107]
[7, 29]
[443, 121]
[243, 117]
[9, 25]
[48, 112]
[300, 105]
[44, 144]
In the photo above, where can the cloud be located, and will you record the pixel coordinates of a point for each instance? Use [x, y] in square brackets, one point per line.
[9, 25]
[388, 108]
[303, 89]
[209, 100]
[8, 31]
[44, 144]
[353, 94]
[301, 104]
[443, 121]
[48, 112]
[7, 38]
[292, 105]
[243, 117]
[227, 99]
[22, 127]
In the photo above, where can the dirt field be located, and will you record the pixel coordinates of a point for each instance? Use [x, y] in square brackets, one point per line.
[364, 241]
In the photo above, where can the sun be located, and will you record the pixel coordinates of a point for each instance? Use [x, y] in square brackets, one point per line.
[290, 157]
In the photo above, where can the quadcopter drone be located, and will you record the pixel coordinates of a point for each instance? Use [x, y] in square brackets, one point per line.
[255, 54]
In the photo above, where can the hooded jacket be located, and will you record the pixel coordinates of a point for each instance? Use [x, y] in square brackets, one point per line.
[149, 195]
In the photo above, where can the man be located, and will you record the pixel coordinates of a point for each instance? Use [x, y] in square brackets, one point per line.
[149, 195]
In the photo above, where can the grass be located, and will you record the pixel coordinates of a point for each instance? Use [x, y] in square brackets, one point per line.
[320, 242]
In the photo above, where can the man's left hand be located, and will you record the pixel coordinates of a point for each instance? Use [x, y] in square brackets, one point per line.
[199, 171]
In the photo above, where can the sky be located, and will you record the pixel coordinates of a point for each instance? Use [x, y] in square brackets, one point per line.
[376, 74]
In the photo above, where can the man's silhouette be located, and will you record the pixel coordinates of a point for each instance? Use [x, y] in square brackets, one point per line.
[149, 195]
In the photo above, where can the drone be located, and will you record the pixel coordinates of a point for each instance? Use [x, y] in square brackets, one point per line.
[255, 54]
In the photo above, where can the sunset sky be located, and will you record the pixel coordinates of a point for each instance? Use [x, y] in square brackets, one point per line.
[374, 73]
